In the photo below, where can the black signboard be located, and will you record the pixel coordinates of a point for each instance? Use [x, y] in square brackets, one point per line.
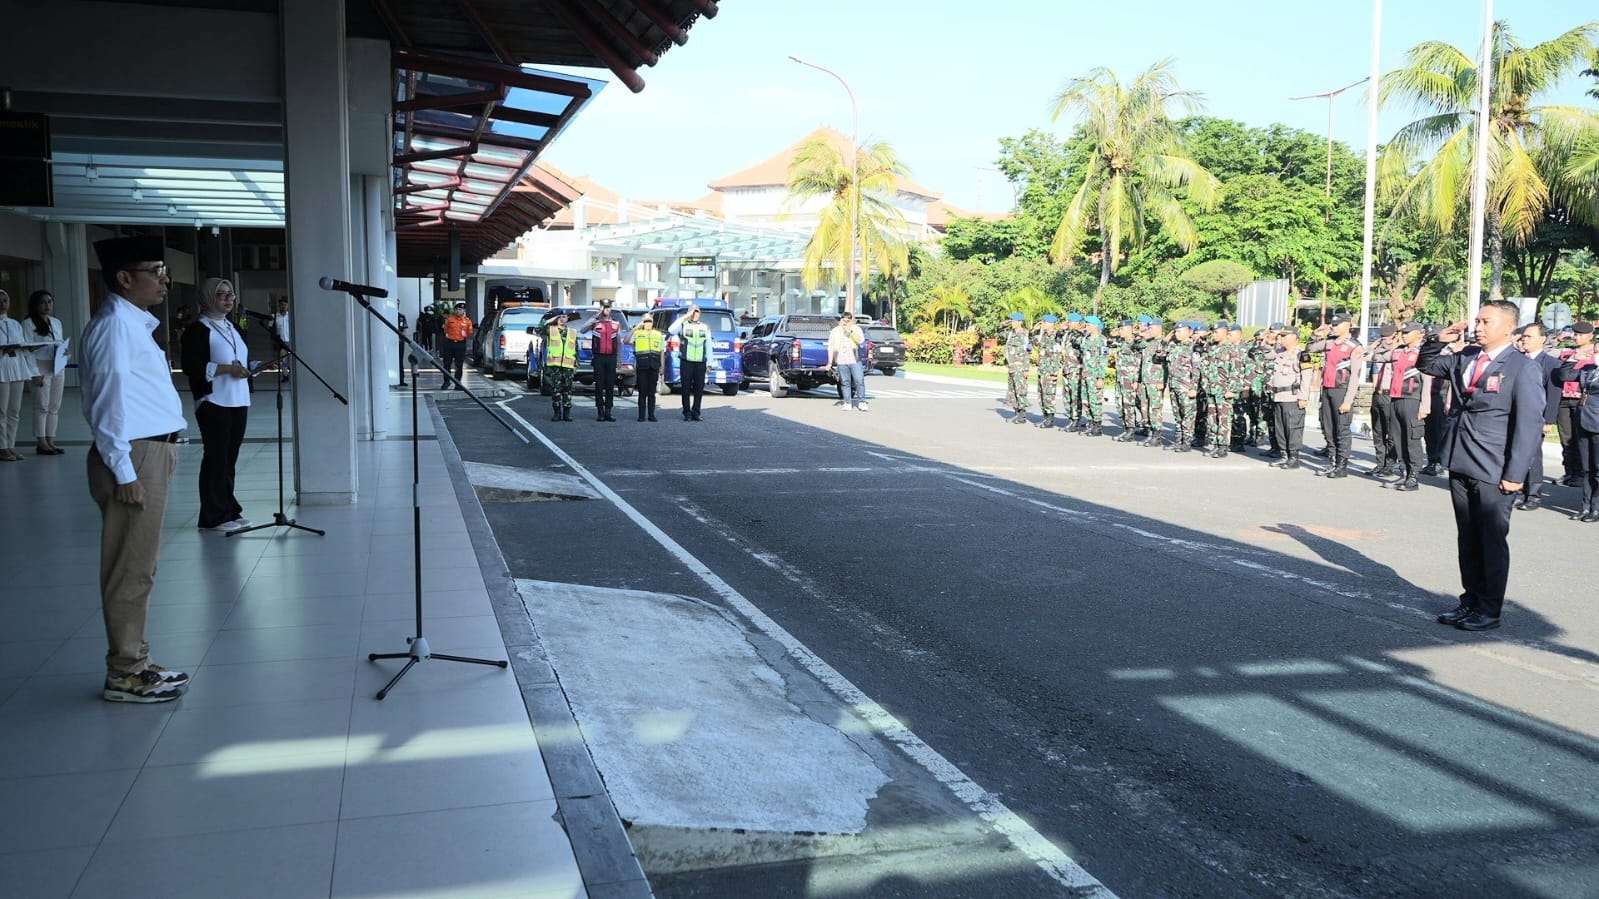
[25, 159]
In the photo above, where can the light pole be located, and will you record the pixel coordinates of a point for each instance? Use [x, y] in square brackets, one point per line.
[854, 177]
[1371, 169]
[1329, 96]
[1479, 164]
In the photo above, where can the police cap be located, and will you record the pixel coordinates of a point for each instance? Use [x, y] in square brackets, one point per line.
[1339, 319]
[1017, 317]
[1582, 328]
[1386, 330]
[1050, 317]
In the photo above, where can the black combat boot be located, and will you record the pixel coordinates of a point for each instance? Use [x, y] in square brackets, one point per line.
[1340, 470]
[566, 414]
[1432, 469]
[652, 416]
[1409, 482]
[1094, 430]
[1047, 422]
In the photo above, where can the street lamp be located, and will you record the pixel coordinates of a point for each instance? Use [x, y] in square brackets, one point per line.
[855, 178]
[1329, 96]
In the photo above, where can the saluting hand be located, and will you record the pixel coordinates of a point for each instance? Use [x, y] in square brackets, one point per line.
[1454, 332]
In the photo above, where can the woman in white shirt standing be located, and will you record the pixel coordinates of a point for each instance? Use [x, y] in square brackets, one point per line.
[217, 364]
[16, 370]
[45, 328]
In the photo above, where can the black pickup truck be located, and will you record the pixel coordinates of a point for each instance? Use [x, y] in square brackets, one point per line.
[888, 348]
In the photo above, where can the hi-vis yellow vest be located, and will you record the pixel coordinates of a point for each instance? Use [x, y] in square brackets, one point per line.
[696, 339]
[561, 349]
[648, 341]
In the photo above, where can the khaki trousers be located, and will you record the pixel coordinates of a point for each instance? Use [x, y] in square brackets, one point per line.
[10, 411]
[47, 405]
[130, 542]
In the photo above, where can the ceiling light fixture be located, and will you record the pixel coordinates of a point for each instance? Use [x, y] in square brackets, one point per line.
[91, 171]
[172, 210]
[137, 195]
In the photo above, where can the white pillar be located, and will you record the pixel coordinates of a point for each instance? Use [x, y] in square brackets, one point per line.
[67, 279]
[627, 294]
[360, 393]
[582, 295]
[317, 182]
[379, 272]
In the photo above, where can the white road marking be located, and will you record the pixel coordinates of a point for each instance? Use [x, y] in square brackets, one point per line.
[1049, 857]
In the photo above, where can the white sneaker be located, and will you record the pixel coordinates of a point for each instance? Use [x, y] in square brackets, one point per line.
[864, 407]
[242, 522]
[224, 527]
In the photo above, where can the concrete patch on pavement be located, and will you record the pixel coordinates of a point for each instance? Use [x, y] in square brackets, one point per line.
[503, 483]
[689, 725]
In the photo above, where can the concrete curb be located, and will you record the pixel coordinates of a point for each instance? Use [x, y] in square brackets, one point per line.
[605, 856]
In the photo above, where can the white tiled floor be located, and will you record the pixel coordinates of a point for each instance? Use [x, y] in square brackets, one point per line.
[277, 774]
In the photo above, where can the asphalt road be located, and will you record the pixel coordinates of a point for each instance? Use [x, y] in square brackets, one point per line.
[1195, 677]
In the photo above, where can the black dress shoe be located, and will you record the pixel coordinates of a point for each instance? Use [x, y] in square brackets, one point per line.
[696, 417]
[566, 415]
[1339, 471]
[1181, 448]
[1432, 470]
[1477, 621]
[1457, 614]
[652, 416]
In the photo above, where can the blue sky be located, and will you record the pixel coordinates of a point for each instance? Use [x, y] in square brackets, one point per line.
[943, 80]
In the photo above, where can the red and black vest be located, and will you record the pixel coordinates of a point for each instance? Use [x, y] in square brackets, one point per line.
[606, 336]
[1335, 364]
[1406, 380]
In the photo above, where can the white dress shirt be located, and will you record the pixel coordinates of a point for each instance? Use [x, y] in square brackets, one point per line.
[1467, 370]
[45, 356]
[127, 384]
[227, 345]
[19, 367]
[280, 323]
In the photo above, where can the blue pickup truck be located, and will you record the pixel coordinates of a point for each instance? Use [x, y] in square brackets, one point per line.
[576, 318]
[791, 351]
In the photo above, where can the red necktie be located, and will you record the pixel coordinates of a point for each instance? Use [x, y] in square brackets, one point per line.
[1476, 373]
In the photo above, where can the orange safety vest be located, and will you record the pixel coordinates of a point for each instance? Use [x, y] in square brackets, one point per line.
[457, 327]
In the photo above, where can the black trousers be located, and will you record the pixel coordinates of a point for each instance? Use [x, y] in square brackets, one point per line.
[1383, 432]
[222, 432]
[1482, 536]
[1408, 450]
[1433, 433]
[693, 386]
[604, 382]
[1335, 424]
[454, 357]
[1568, 420]
[1588, 457]
[1288, 428]
[647, 380]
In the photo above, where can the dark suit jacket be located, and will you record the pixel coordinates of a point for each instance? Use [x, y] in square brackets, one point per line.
[1550, 364]
[1490, 435]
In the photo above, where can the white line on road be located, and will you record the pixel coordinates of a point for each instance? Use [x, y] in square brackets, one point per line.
[1046, 855]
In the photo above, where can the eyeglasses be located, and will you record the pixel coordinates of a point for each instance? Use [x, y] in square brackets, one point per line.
[160, 271]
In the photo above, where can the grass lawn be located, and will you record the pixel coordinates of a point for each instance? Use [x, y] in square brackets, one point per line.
[971, 372]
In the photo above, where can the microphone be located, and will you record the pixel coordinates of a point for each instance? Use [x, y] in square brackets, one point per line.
[360, 290]
[258, 316]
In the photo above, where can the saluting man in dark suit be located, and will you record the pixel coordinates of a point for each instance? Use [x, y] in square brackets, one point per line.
[1495, 425]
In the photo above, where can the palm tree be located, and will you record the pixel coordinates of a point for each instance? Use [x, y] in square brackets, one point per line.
[1528, 144]
[821, 168]
[949, 302]
[1137, 168]
[1033, 303]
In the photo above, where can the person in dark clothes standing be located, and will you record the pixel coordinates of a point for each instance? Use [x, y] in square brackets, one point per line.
[1383, 436]
[605, 347]
[694, 357]
[217, 364]
[1432, 433]
[1343, 360]
[1409, 393]
[1567, 417]
[1495, 426]
[1581, 370]
[648, 349]
[1533, 340]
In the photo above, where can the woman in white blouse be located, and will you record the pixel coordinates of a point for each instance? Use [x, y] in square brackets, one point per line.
[217, 364]
[45, 328]
[16, 370]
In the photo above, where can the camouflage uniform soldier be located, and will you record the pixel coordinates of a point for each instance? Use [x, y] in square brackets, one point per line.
[1243, 369]
[1095, 354]
[1071, 369]
[1050, 351]
[560, 364]
[1219, 380]
[1127, 348]
[1203, 346]
[1152, 381]
[1182, 381]
[1017, 359]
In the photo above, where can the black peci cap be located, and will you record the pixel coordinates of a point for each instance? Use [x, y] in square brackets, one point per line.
[122, 253]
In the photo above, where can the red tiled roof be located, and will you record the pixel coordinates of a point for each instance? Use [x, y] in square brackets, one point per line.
[773, 171]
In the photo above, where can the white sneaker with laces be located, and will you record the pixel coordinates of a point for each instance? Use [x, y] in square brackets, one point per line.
[864, 407]
[242, 522]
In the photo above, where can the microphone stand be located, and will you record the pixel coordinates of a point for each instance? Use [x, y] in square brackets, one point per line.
[279, 519]
[418, 650]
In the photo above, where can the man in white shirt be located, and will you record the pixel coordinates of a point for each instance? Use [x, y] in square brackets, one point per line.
[843, 352]
[136, 418]
[280, 326]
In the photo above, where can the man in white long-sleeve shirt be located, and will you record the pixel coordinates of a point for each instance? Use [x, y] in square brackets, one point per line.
[136, 418]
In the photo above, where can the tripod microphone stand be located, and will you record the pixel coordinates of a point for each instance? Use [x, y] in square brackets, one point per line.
[279, 519]
[418, 650]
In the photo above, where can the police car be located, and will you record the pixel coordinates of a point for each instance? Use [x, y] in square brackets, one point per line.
[727, 365]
